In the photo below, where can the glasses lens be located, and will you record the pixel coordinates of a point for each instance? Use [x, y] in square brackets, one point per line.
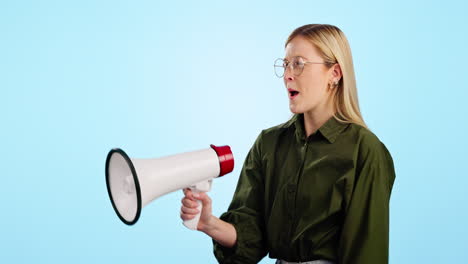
[279, 67]
[297, 65]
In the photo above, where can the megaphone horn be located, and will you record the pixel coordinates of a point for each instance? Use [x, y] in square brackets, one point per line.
[133, 183]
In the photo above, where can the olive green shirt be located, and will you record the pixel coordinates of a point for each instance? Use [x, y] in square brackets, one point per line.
[321, 197]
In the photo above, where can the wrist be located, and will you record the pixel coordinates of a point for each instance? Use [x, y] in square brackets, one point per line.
[222, 232]
[209, 226]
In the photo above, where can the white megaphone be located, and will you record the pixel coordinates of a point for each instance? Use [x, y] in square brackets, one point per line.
[133, 183]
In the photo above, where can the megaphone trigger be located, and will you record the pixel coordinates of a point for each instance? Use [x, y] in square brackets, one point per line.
[203, 186]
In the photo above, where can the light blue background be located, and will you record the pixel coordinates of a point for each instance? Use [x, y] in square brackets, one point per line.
[78, 78]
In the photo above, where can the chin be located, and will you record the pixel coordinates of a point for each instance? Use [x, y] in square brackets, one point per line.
[299, 110]
[295, 110]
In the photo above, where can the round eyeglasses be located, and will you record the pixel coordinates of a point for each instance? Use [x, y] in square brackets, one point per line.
[297, 65]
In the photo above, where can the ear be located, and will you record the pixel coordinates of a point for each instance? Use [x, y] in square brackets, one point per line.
[335, 73]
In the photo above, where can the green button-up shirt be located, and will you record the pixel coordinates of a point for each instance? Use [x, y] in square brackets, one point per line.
[321, 197]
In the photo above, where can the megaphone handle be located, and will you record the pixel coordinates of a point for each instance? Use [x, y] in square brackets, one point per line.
[193, 223]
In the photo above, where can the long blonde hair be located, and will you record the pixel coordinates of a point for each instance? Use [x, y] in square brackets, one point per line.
[334, 48]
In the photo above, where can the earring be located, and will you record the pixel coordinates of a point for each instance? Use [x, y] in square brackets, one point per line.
[336, 83]
[333, 84]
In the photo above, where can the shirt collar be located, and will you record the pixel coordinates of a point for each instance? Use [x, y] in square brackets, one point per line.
[330, 129]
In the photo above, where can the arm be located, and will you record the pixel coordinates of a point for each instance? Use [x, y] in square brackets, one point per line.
[238, 235]
[222, 232]
[245, 214]
[365, 233]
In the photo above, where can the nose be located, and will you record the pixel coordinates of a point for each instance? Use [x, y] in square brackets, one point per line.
[288, 74]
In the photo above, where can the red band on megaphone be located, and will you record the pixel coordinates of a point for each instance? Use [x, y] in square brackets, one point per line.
[226, 159]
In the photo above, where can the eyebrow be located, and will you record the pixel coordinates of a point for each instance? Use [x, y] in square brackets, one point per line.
[286, 58]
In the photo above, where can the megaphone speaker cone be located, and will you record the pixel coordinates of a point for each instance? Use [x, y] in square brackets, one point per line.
[123, 186]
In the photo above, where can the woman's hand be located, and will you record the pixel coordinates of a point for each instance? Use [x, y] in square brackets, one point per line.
[189, 208]
[223, 232]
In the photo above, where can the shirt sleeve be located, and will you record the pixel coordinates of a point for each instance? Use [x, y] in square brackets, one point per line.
[245, 213]
[365, 233]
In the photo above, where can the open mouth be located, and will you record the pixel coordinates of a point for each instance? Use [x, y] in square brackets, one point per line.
[292, 93]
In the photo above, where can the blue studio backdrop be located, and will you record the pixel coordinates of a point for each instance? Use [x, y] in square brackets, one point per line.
[155, 78]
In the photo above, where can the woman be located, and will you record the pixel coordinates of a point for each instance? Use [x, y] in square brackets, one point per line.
[315, 189]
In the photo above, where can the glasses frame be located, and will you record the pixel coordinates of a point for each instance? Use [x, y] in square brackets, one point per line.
[288, 64]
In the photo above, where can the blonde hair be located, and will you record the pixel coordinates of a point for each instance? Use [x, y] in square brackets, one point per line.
[334, 48]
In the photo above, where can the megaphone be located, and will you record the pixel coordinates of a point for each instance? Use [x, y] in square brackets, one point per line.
[133, 183]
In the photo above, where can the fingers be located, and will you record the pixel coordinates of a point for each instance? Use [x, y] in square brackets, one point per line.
[187, 213]
[189, 203]
[189, 206]
[194, 196]
[188, 193]
[186, 216]
[190, 211]
[206, 200]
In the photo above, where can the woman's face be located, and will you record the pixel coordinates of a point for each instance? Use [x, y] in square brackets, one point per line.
[312, 84]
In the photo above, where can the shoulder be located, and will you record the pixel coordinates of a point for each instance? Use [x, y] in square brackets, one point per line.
[367, 142]
[370, 150]
[271, 133]
[267, 137]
